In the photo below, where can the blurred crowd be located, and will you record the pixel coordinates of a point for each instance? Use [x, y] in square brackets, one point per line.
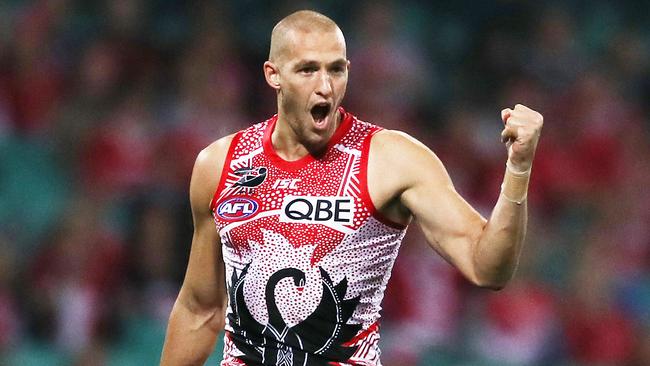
[105, 105]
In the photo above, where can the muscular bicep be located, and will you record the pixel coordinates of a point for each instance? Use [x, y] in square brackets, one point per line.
[448, 221]
[204, 283]
[452, 227]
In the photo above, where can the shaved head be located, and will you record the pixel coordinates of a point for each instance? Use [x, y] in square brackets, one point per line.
[308, 69]
[303, 21]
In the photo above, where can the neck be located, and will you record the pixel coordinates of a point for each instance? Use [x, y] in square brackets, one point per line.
[287, 143]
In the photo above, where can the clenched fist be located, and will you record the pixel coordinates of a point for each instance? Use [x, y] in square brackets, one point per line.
[521, 134]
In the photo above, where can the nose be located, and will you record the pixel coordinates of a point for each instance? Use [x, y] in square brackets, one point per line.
[324, 87]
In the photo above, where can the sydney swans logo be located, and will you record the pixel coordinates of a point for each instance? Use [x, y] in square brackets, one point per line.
[317, 340]
[250, 177]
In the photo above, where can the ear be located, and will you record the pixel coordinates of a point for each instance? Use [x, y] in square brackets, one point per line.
[272, 75]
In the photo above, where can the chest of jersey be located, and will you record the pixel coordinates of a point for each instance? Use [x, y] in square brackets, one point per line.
[306, 254]
[313, 201]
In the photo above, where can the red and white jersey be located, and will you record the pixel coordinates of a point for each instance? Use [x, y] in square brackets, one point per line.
[306, 253]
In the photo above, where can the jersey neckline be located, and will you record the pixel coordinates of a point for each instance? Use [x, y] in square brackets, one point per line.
[269, 150]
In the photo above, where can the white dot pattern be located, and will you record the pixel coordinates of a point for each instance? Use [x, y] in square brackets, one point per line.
[364, 255]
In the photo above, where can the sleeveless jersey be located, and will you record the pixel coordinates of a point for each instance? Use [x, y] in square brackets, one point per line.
[307, 256]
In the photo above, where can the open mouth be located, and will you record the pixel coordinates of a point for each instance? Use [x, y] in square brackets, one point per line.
[320, 111]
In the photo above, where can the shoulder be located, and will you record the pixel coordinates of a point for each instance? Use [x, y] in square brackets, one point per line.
[398, 146]
[401, 153]
[214, 153]
[394, 139]
[208, 167]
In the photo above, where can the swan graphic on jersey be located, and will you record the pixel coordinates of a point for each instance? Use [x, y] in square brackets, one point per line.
[317, 340]
[250, 177]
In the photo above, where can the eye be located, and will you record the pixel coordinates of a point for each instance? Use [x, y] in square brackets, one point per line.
[307, 70]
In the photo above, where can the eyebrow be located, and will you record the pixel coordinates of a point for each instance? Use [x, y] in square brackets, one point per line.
[339, 62]
[304, 63]
[307, 63]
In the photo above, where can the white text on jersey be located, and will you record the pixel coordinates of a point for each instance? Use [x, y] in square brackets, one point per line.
[286, 183]
[329, 210]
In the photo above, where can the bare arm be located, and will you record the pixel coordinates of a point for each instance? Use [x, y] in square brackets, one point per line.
[485, 251]
[198, 313]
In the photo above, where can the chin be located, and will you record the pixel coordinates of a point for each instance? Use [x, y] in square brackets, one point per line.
[316, 140]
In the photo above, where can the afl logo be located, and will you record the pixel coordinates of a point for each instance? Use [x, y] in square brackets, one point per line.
[237, 208]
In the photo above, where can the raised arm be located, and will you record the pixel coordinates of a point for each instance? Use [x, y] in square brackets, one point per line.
[485, 251]
[198, 313]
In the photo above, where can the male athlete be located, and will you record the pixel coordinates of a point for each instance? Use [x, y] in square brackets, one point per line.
[310, 209]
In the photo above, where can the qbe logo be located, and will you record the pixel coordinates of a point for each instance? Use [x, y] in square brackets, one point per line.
[318, 210]
[237, 208]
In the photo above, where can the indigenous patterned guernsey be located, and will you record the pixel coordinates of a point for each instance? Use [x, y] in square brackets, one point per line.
[306, 253]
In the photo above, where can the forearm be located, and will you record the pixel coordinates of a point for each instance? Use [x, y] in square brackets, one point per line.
[191, 335]
[497, 252]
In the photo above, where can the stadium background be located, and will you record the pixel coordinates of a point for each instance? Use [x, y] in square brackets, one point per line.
[104, 106]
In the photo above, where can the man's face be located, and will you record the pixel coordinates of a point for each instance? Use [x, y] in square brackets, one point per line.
[313, 75]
